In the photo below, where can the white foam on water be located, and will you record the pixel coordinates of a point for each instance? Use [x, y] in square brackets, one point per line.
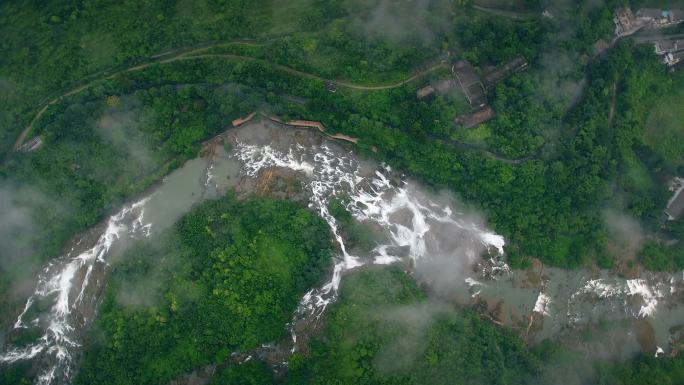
[624, 290]
[369, 198]
[541, 306]
[373, 198]
[56, 283]
[383, 258]
[472, 283]
[408, 217]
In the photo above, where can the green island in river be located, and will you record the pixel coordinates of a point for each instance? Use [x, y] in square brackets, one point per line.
[341, 192]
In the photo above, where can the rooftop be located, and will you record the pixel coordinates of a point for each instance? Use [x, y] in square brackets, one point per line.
[470, 82]
[465, 72]
[518, 63]
[476, 95]
[625, 22]
[445, 85]
[676, 204]
[474, 118]
[650, 13]
[240, 121]
[425, 91]
[673, 58]
[32, 144]
[662, 16]
[664, 46]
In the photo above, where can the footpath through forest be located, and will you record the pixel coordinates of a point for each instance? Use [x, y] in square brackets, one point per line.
[196, 53]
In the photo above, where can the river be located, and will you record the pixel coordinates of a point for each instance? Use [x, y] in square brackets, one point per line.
[442, 242]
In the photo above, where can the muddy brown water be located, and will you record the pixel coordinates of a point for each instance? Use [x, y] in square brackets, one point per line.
[592, 312]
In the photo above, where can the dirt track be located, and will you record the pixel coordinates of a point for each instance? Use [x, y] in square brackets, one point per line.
[513, 15]
[195, 54]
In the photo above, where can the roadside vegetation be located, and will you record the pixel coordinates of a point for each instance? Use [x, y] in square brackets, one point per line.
[591, 132]
[664, 133]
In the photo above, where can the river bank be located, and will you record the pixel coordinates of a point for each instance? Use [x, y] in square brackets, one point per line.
[443, 243]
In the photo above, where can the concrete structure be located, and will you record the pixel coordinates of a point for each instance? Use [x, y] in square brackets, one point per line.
[666, 46]
[307, 123]
[625, 22]
[470, 83]
[474, 90]
[440, 87]
[672, 59]
[476, 117]
[517, 64]
[671, 50]
[241, 121]
[32, 144]
[659, 18]
[443, 86]
[320, 127]
[346, 138]
[273, 118]
[426, 91]
[675, 206]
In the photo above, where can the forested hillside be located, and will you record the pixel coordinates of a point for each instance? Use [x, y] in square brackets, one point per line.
[121, 93]
[227, 277]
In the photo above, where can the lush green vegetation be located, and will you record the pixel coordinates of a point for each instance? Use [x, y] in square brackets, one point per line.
[544, 206]
[656, 256]
[47, 47]
[384, 331]
[664, 133]
[249, 373]
[154, 119]
[614, 145]
[644, 370]
[16, 374]
[101, 150]
[354, 234]
[659, 257]
[228, 277]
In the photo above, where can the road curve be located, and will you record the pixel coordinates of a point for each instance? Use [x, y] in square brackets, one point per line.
[194, 54]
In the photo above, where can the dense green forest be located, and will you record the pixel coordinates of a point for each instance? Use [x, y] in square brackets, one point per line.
[574, 135]
[546, 206]
[227, 277]
[167, 109]
[384, 330]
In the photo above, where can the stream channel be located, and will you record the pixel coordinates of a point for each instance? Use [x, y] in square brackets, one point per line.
[445, 245]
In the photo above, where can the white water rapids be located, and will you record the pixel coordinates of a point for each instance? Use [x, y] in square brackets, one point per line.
[57, 283]
[439, 241]
[404, 212]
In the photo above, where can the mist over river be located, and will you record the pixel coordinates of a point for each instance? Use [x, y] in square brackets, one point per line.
[441, 242]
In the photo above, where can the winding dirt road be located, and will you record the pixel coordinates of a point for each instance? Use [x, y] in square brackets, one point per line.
[195, 53]
[513, 15]
[490, 154]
